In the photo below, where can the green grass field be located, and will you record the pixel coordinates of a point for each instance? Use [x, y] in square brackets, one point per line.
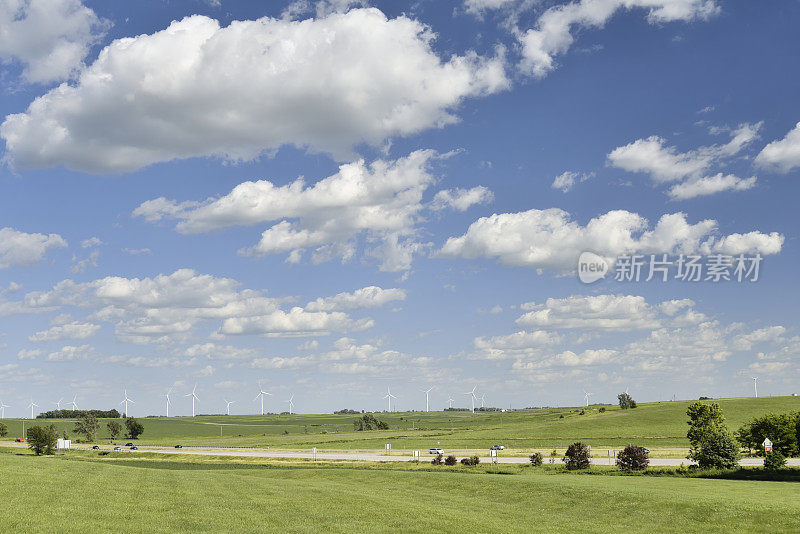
[88, 493]
[655, 425]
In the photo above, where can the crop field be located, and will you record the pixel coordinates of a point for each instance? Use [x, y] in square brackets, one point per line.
[125, 493]
[655, 425]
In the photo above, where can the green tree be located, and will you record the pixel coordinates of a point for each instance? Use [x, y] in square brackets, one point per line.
[88, 426]
[3, 430]
[42, 440]
[774, 460]
[114, 428]
[717, 450]
[704, 420]
[781, 429]
[626, 401]
[135, 428]
[633, 458]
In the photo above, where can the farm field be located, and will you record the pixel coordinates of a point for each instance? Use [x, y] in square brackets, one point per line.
[655, 425]
[87, 493]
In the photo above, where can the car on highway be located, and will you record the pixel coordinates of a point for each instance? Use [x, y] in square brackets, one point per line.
[134, 448]
[646, 451]
[117, 448]
[435, 450]
[129, 444]
[178, 446]
[497, 448]
[95, 447]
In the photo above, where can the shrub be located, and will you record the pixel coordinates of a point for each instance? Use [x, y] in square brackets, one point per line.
[633, 458]
[774, 460]
[718, 450]
[536, 459]
[602, 409]
[369, 422]
[577, 456]
[437, 460]
[3, 430]
[472, 460]
[450, 460]
[42, 440]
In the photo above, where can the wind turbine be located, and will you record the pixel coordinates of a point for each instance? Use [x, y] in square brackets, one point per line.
[449, 400]
[261, 394]
[473, 397]
[586, 396]
[58, 403]
[755, 384]
[125, 401]
[73, 403]
[483, 400]
[194, 397]
[426, 392]
[291, 403]
[32, 405]
[389, 397]
[228, 406]
[169, 401]
[3, 407]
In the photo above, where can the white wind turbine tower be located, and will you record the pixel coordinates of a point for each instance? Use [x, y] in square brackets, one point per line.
[291, 403]
[483, 400]
[58, 403]
[261, 394]
[194, 397]
[755, 384]
[426, 392]
[74, 403]
[125, 401]
[169, 401]
[586, 396]
[389, 397]
[473, 397]
[228, 406]
[32, 405]
[3, 407]
[450, 400]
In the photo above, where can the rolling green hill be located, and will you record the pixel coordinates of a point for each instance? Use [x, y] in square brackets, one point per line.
[655, 425]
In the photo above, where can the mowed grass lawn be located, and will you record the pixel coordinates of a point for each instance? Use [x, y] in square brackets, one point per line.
[654, 425]
[79, 494]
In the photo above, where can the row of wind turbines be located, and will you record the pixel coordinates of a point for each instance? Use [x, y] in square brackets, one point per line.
[290, 401]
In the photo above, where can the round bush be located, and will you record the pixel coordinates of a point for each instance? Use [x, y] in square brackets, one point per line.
[450, 460]
[437, 460]
[536, 459]
[633, 458]
[774, 460]
[577, 456]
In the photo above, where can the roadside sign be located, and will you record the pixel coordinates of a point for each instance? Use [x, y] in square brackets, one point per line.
[315, 453]
[493, 453]
[388, 446]
[767, 445]
[416, 454]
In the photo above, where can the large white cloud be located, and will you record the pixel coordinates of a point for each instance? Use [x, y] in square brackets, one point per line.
[553, 32]
[169, 308]
[382, 201]
[783, 154]
[550, 239]
[50, 38]
[198, 89]
[19, 248]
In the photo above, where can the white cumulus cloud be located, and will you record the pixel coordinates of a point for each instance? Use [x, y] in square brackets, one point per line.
[19, 248]
[198, 89]
[783, 154]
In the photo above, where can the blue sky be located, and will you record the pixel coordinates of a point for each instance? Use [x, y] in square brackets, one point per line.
[338, 197]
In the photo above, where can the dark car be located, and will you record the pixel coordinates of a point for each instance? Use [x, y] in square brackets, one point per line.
[178, 446]
[646, 451]
[134, 448]
[497, 447]
[129, 444]
[95, 447]
[117, 448]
